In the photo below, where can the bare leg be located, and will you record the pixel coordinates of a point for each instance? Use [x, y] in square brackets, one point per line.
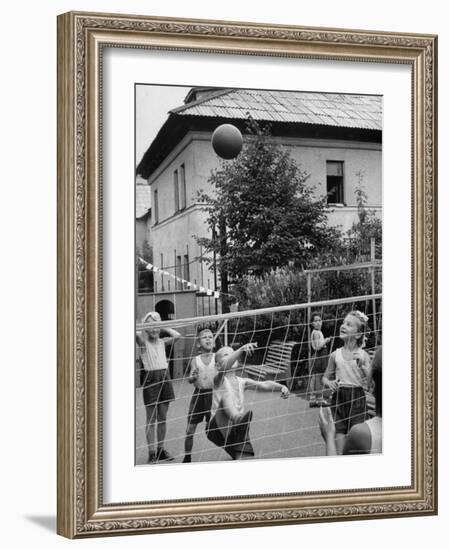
[150, 428]
[340, 440]
[188, 443]
[190, 432]
[162, 410]
[313, 393]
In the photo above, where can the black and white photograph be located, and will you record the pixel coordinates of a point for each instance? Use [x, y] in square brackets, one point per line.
[228, 249]
[258, 276]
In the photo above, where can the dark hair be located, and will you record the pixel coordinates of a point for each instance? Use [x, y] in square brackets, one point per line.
[315, 314]
[201, 329]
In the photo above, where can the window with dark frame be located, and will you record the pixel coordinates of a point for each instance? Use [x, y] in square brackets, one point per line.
[162, 276]
[186, 274]
[156, 207]
[335, 184]
[182, 183]
[178, 272]
[176, 190]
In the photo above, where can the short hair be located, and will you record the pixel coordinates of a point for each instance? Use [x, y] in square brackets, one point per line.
[219, 353]
[152, 316]
[203, 328]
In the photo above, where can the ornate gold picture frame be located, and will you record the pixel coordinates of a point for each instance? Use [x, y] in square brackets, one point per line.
[83, 39]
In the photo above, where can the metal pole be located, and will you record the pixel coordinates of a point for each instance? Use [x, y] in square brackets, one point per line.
[373, 287]
[309, 318]
[309, 300]
[215, 270]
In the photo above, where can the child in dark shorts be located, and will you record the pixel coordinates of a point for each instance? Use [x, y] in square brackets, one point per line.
[229, 425]
[157, 388]
[348, 375]
[202, 374]
[364, 437]
[318, 362]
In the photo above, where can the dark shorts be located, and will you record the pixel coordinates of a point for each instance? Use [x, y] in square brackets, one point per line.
[157, 387]
[237, 443]
[200, 405]
[348, 405]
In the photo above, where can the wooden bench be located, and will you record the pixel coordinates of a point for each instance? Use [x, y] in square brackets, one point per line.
[276, 364]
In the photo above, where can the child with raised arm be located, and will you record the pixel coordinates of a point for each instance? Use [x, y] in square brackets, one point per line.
[229, 425]
[348, 375]
[157, 386]
[202, 375]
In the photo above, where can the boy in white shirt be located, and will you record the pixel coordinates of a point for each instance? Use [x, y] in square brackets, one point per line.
[229, 425]
[202, 375]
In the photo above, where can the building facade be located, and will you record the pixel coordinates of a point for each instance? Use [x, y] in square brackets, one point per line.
[336, 138]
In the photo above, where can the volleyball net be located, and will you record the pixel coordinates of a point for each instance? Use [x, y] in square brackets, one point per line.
[283, 353]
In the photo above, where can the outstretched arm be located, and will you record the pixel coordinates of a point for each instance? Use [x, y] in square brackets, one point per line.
[246, 349]
[267, 385]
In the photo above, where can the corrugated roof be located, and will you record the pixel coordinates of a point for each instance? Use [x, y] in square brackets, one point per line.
[143, 200]
[340, 110]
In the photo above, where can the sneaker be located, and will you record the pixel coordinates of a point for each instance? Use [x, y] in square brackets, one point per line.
[187, 458]
[152, 458]
[163, 456]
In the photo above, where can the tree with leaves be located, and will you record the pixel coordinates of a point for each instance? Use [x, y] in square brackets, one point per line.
[262, 214]
[368, 226]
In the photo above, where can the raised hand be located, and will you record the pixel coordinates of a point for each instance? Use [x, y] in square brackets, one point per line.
[249, 348]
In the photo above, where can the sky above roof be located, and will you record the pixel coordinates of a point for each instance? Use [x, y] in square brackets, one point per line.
[153, 103]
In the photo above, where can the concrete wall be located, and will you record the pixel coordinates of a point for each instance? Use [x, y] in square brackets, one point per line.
[357, 157]
[174, 235]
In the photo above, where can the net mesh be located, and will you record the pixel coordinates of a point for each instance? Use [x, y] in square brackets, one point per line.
[283, 354]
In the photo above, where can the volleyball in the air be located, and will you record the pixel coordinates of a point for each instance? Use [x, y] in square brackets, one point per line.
[227, 141]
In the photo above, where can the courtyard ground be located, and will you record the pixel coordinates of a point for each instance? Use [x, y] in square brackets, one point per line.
[280, 427]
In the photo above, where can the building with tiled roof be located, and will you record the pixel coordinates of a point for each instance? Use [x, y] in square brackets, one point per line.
[289, 113]
[336, 138]
[339, 110]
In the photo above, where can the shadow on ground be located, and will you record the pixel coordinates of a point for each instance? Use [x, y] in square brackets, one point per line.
[46, 522]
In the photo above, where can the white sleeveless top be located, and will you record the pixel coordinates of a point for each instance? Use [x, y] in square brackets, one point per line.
[347, 372]
[206, 373]
[375, 426]
[153, 355]
[233, 387]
